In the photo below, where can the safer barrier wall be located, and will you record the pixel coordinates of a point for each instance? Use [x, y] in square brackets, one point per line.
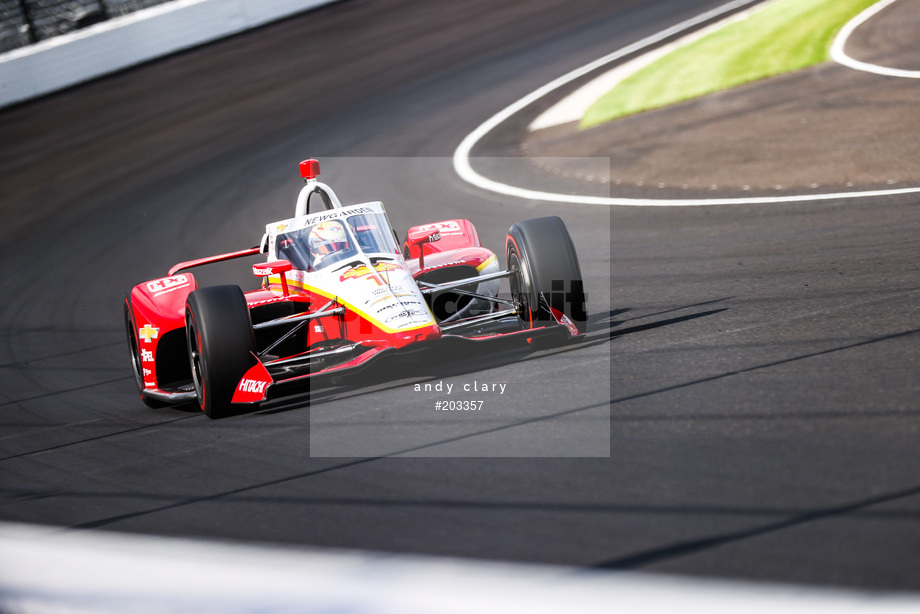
[120, 42]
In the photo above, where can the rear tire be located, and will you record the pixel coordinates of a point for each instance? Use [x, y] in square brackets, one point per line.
[542, 255]
[220, 345]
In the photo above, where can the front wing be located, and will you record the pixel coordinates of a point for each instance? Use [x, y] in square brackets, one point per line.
[263, 382]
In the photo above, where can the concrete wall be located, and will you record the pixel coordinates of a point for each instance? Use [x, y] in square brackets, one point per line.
[76, 57]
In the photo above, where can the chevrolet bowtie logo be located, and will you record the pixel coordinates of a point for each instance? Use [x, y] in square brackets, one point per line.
[147, 333]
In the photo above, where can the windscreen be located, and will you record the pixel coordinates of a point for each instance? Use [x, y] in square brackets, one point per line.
[373, 233]
[321, 245]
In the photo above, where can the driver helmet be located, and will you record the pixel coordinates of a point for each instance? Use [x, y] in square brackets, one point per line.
[327, 238]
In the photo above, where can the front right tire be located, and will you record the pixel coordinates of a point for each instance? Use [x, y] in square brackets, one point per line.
[542, 256]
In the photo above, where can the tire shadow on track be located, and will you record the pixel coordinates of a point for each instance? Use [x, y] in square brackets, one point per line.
[431, 366]
[755, 368]
[614, 334]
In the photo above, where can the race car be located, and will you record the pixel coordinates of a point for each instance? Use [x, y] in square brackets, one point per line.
[339, 294]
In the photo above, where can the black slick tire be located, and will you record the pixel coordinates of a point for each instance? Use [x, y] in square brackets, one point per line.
[220, 345]
[542, 255]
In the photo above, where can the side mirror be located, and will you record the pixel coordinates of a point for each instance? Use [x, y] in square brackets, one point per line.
[272, 268]
[420, 238]
[277, 267]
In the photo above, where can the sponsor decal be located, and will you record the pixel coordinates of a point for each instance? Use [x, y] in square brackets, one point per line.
[445, 227]
[322, 217]
[414, 305]
[148, 332]
[441, 266]
[406, 313]
[267, 301]
[167, 284]
[376, 280]
[146, 356]
[363, 271]
[251, 385]
[355, 273]
[147, 372]
[386, 293]
[396, 297]
[382, 267]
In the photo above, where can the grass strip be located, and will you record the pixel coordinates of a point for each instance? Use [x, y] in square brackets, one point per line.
[782, 37]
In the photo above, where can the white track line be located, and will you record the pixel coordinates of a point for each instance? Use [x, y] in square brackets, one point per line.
[576, 104]
[839, 55]
[464, 169]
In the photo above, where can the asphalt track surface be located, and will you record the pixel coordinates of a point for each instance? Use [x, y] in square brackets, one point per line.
[762, 360]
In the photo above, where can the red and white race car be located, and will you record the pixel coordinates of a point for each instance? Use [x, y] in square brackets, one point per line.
[337, 294]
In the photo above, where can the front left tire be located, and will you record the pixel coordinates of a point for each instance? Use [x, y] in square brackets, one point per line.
[220, 345]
